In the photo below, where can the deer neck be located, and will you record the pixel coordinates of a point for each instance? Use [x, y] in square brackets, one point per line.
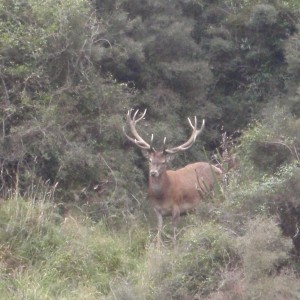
[158, 186]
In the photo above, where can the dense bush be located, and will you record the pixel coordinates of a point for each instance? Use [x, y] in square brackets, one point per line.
[74, 219]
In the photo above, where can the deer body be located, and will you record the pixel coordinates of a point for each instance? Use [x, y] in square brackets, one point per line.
[180, 188]
[174, 192]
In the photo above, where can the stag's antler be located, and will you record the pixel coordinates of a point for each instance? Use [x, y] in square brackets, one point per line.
[190, 141]
[137, 139]
[140, 142]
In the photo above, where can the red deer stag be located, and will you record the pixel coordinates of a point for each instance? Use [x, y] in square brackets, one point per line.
[173, 192]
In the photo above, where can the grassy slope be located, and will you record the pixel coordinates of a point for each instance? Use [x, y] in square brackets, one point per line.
[46, 256]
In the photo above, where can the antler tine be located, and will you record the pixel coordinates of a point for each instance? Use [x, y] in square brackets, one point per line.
[191, 124]
[141, 117]
[132, 121]
[164, 147]
[191, 140]
[197, 131]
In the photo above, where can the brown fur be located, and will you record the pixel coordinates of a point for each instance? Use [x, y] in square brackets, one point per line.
[173, 192]
[176, 192]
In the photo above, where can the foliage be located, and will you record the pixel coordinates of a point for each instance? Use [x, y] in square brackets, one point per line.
[46, 256]
[261, 239]
[244, 45]
[263, 252]
[65, 91]
[269, 156]
[206, 254]
[74, 222]
[192, 269]
[271, 144]
[58, 112]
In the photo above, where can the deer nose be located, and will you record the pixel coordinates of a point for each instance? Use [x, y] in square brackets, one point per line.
[154, 173]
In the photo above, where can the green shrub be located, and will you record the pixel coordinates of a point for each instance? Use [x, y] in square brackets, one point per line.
[263, 249]
[194, 266]
[207, 251]
[267, 145]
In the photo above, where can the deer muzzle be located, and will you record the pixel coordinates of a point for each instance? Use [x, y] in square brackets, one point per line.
[154, 173]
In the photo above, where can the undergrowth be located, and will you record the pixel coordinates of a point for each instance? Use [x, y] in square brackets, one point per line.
[45, 254]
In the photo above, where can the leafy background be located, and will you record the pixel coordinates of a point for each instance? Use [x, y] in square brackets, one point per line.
[74, 219]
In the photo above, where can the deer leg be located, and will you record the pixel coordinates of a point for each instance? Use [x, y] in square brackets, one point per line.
[159, 227]
[175, 220]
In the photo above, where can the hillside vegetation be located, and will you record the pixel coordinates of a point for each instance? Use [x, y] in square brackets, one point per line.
[75, 222]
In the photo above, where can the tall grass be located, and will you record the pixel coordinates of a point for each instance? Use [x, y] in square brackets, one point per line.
[48, 255]
[44, 255]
